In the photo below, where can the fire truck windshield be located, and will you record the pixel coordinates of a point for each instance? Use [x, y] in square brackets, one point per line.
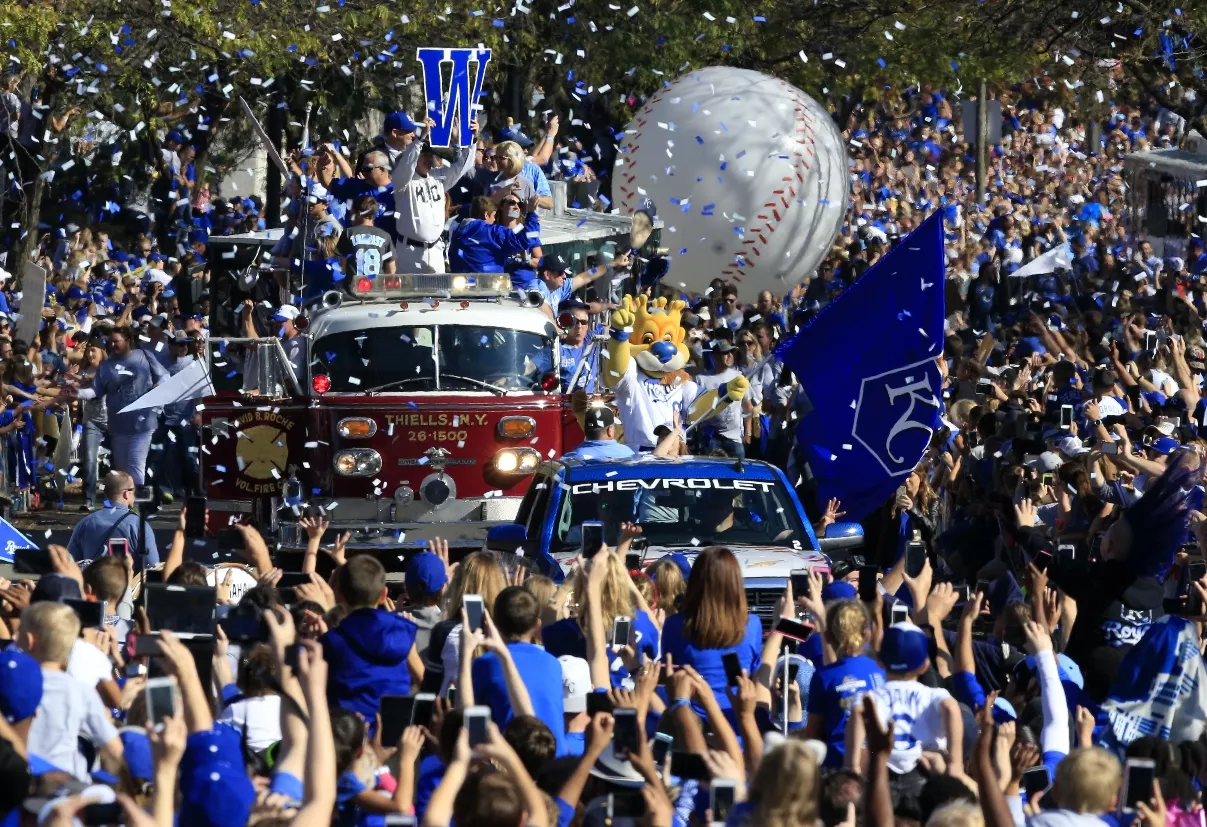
[442, 357]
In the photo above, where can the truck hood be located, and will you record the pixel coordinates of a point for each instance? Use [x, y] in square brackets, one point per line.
[757, 562]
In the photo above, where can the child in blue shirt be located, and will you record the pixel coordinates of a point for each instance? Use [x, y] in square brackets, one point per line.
[517, 615]
[837, 687]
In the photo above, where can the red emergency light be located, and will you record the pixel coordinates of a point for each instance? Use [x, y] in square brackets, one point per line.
[321, 383]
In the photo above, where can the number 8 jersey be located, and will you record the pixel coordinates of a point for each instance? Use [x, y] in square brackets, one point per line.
[368, 248]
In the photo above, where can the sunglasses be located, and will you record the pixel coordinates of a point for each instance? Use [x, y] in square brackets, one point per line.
[581, 322]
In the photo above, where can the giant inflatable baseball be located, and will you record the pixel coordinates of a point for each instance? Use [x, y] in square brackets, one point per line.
[747, 173]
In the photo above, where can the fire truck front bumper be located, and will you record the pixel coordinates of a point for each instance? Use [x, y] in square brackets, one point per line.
[374, 523]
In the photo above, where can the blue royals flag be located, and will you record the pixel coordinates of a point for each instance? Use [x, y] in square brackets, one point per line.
[867, 365]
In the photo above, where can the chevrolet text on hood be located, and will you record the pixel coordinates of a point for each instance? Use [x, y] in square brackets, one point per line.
[668, 482]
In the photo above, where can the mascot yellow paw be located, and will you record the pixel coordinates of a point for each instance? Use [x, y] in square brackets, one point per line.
[736, 388]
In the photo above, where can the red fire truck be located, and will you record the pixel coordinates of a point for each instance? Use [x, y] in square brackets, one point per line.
[424, 399]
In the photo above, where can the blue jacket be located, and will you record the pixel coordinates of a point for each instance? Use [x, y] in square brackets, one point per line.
[478, 247]
[542, 675]
[367, 658]
[122, 381]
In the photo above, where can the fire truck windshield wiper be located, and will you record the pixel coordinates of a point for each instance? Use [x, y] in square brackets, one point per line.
[397, 383]
[479, 382]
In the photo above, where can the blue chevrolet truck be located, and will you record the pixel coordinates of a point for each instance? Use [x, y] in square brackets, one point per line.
[683, 505]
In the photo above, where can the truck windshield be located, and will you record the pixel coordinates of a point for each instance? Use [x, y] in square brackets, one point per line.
[683, 512]
[445, 357]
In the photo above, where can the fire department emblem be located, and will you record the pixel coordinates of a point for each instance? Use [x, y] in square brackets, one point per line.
[262, 450]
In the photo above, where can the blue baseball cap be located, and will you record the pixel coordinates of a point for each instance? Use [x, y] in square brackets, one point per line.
[56, 588]
[76, 292]
[173, 136]
[198, 237]
[1164, 445]
[425, 575]
[400, 121]
[137, 748]
[20, 685]
[838, 590]
[681, 561]
[905, 648]
[514, 133]
[214, 785]
[141, 312]
[1066, 669]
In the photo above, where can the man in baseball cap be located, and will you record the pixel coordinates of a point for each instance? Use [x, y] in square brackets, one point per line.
[557, 285]
[599, 424]
[398, 132]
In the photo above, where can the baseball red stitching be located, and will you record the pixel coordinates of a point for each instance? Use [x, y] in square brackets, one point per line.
[803, 124]
[803, 127]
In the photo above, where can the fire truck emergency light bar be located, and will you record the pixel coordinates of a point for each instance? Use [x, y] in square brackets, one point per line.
[425, 284]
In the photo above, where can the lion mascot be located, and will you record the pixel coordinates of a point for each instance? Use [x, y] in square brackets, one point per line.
[646, 357]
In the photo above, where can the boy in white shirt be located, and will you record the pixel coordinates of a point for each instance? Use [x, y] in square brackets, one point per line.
[69, 710]
[920, 717]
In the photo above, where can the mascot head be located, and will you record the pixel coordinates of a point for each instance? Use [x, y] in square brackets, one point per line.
[658, 339]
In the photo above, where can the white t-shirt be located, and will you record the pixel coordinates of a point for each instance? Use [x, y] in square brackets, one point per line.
[918, 723]
[88, 664]
[728, 422]
[1109, 406]
[261, 716]
[450, 658]
[69, 711]
[646, 403]
[1164, 382]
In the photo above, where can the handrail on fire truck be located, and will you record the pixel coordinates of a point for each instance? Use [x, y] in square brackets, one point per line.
[268, 382]
[428, 286]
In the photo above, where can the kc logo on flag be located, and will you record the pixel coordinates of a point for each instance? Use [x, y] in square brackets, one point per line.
[458, 100]
[895, 413]
[867, 363]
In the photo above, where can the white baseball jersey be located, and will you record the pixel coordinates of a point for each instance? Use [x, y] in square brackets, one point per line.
[645, 403]
[419, 200]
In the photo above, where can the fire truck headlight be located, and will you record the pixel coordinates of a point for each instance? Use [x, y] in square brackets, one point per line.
[361, 462]
[517, 461]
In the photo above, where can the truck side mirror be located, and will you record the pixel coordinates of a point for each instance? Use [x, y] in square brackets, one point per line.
[841, 536]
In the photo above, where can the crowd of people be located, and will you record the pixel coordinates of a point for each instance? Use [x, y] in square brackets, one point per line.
[1018, 640]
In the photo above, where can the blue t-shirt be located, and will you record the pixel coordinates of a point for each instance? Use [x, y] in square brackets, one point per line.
[347, 813]
[708, 661]
[566, 638]
[542, 675]
[557, 296]
[576, 743]
[836, 688]
[427, 779]
[599, 449]
[537, 176]
[571, 356]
